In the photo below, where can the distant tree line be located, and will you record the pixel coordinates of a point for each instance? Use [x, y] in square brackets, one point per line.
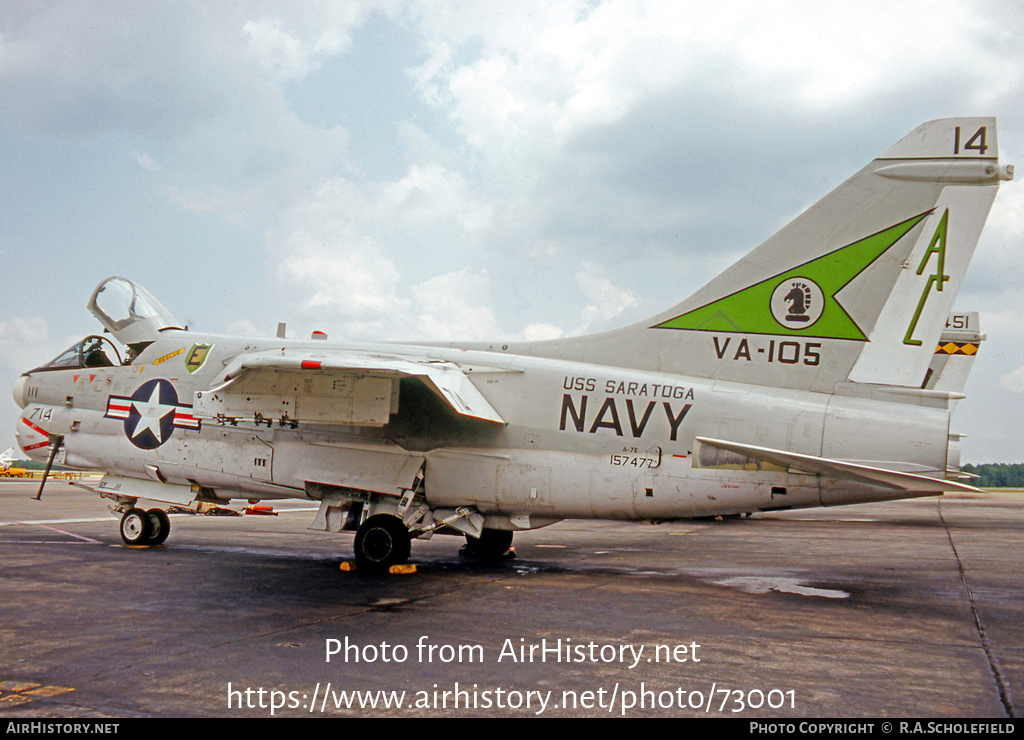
[997, 475]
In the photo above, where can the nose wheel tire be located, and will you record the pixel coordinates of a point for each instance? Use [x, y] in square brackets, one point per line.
[160, 526]
[145, 528]
[381, 541]
[136, 527]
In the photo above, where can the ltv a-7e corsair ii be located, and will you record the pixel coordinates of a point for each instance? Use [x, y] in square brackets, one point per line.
[821, 369]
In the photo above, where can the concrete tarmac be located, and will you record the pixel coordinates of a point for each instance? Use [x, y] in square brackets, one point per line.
[906, 609]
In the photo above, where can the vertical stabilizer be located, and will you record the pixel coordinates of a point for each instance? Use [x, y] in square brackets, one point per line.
[915, 313]
[857, 288]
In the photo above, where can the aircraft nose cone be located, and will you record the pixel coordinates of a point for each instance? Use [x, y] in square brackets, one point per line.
[19, 390]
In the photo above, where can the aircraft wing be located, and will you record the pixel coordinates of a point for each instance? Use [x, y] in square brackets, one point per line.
[336, 387]
[826, 467]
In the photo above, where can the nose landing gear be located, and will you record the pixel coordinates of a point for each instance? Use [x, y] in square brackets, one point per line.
[145, 528]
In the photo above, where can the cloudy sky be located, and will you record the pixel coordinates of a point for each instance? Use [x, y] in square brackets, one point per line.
[435, 170]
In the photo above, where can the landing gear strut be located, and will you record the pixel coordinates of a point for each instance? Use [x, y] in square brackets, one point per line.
[381, 541]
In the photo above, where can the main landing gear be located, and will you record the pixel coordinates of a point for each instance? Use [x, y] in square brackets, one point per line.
[145, 528]
[382, 541]
[491, 545]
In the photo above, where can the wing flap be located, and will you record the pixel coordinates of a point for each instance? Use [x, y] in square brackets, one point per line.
[829, 468]
[343, 388]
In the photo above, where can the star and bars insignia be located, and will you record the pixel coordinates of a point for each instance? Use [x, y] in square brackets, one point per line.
[151, 414]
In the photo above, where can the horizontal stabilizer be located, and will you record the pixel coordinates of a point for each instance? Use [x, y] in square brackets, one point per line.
[796, 462]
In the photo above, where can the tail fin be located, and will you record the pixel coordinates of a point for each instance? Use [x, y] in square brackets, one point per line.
[858, 287]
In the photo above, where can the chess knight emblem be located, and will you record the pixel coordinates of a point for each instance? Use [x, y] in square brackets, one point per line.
[797, 303]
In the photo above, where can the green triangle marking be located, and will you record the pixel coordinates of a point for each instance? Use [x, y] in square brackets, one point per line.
[749, 311]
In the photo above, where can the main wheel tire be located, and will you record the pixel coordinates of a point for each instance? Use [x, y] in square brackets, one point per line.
[136, 527]
[382, 541]
[160, 526]
[491, 545]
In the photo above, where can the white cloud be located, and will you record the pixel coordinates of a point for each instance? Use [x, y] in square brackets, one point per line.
[606, 299]
[25, 343]
[291, 41]
[146, 162]
[349, 280]
[455, 306]
[354, 251]
[431, 193]
[235, 207]
[279, 52]
[540, 332]
[1013, 381]
[544, 70]
[1006, 222]
[1007, 324]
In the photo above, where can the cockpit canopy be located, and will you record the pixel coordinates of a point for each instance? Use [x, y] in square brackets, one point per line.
[93, 351]
[129, 312]
[131, 315]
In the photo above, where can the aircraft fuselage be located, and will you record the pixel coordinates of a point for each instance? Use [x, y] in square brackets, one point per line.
[580, 441]
[820, 369]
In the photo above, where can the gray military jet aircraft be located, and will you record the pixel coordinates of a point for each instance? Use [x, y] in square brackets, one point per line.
[804, 375]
